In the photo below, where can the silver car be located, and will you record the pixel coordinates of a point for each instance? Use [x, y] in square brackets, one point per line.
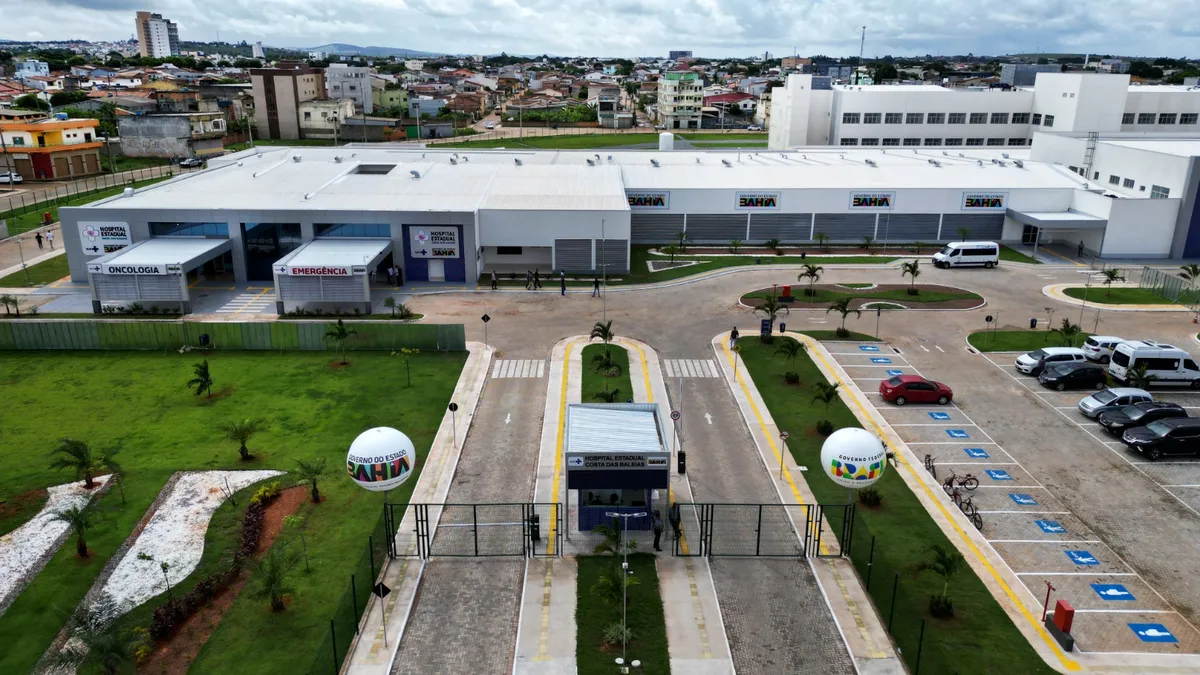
[1112, 399]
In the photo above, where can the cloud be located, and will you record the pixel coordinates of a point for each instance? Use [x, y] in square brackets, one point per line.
[644, 27]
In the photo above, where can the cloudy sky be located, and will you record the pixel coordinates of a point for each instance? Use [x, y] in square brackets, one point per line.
[645, 27]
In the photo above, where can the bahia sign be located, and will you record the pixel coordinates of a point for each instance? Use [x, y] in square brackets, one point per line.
[872, 201]
[756, 201]
[381, 459]
[984, 201]
[649, 201]
[319, 271]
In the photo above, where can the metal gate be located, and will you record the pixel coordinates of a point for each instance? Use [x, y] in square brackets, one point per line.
[766, 530]
[476, 530]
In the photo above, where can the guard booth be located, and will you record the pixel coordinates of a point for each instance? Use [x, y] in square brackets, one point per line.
[151, 273]
[329, 272]
[616, 457]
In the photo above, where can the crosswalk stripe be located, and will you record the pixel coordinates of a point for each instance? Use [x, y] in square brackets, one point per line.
[670, 366]
[541, 368]
[712, 369]
[690, 368]
[496, 368]
[526, 368]
[514, 368]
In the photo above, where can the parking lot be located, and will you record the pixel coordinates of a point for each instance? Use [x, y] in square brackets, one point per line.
[1051, 518]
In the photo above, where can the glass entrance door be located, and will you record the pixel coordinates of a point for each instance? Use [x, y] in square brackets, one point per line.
[264, 244]
[1029, 235]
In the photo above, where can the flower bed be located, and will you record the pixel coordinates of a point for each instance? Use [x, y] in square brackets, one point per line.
[25, 550]
[895, 295]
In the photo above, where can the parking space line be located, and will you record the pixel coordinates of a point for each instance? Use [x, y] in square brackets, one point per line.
[946, 423]
[1124, 611]
[1182, 486]
[1033, 513]
[950, 461]
[1075, 574]
[1044, 541]
[1011, 487]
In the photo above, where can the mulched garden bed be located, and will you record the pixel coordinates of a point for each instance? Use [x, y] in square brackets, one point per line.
[875, 295]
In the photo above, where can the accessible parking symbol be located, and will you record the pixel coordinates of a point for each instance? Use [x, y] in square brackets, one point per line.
[939, 415]
[880, 359]
[1022, 499]
[1152, 632]
[868, 348]
[1082, 557]
[1113, 592]
[1051, 526]
[957, 433]
[892, 372]
[977, 453]
[998, 474]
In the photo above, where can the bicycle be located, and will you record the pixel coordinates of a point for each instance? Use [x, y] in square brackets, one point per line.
[968, 507]
[976, 520]
[968, 481]
[955, 494]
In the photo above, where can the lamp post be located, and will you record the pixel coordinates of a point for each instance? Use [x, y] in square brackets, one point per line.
[624, 571]
[1086, 288]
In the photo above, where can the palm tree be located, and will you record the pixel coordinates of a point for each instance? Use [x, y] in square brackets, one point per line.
[603, 331]
[964, 232]
[612, 543]
[241, 433]
[116, 472]
[10, 301]
[607, 366]
[842, 307]
[97, 643]
[772, 244]
[918, 245]
[1138, 377]
[608, 396]
[734, 245]
[946, 563]
[201, 379]
[271, 576]
[339, 334]
[1068, 331]
[390, 303]
[78, 519]
[913, 270]
[822, 240]
[608, 586]
[1111, 275]
[791, 349]
[77, 456]
[826, 394]
[671, 250]
[682, 237]
[866, 243]
[309, 472]
[1190, 273]
[813, 274]
[770, 308]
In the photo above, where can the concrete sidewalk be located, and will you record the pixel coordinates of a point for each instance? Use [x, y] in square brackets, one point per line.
[1096, 299]
[860, 625]
[374, 649]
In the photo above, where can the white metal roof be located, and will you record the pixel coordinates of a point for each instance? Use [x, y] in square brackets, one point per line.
[612, 428]
[165, 251]
[338, 252]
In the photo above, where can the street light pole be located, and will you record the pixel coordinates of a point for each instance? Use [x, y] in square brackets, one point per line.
[624, 566]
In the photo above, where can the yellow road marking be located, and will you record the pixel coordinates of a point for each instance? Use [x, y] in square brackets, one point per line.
[1069, 664]
[544, 640]
[558, 447]
[1063, 257]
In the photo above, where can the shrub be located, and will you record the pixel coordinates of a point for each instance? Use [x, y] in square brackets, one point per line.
[941, 607]
[791, 377]
[616, 635]
[824, 427]
[266, 494]
[842, 332]
[913, 291]
[870, 497]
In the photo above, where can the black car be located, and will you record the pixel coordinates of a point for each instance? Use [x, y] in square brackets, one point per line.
[1138, 414]
[1179, 436]
[1073, 375]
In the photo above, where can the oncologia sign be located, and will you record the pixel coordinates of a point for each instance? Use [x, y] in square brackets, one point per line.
[134, 269]
[757, 200]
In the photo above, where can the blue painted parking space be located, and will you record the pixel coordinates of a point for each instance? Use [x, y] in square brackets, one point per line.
[957, 433]
[977, 453]
[868, 348]
[1113, 592]
[939, 416]
[1050, 526]
[1022, 499]
[998, 474]
[880, 359]
[892, 372]
[1152, 632]
[1082, 557]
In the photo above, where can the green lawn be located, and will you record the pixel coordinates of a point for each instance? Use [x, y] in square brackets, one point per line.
[137, 402]
[1127, 296]
[29, 218]
[594, 383]
[726, 136]
[639, 273]
[40, 274]
[1013, 255]
[826, 296]
[730, 146]
[564, 142]
[236, 147]
[119, 164]
[903, 533]
[1018, 340]
[644, 617]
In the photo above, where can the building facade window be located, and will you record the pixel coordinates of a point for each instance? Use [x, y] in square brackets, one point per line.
[1145, 118]
[974, 141]
[1114, 180]
[979, 118]
[1036, 120]
[870, 141]
[1127, 118]
[1127, 183]
[872, 118]
[307, 115]
[1048, 121]
[1159, 192]
[933, 141]
[849, 141]
[893, 118]
[1020, 118]
[1096, 176]
[850, 118]
[891, 141]
[1188, 118]
[957, 118]
[999, 118]
[1166, 118]
[995, 141]
[912, 141]
[214, 230]
[353, 230]
[914, 118]
[954, 141]
[935, 118]
[1016, 141]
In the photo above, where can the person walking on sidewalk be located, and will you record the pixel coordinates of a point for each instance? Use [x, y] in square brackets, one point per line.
[1079, 251]
[38, 237]
[493, 280]
[676, 520]
[733, 337]
[562, 279]
[528, 280]
[595, 286]
[657, 524]
[50, 238]
[537, 279]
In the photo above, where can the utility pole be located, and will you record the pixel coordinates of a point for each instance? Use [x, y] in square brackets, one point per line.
[862, 43]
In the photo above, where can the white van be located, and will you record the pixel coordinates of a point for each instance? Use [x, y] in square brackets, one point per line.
[1167, 363]
[964, 253]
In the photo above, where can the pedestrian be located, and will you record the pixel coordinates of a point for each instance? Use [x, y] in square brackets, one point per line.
[528, 280]
[537, 279]
[595, 286]
[50, 238]
[399, 276]
[1079, 251]
[38, 237]
[562, 279]
[391, 272]
[656, 523]
[493, 280]
[733, 336]
[676, 520]
[374, 275]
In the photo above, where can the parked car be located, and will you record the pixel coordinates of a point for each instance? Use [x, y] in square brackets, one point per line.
[902, 389]
[1035, 362]
[10, 178]
[1099, 348]
[660, 127]
[1074, 375]
[1179, 436]
[191, 163]
[489, 125]
[1112, 399]
[1139, 414]
[753, 127]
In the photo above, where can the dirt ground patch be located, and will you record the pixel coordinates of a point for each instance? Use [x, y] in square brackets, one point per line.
[175, 656]
[12, 509]
[931, 296]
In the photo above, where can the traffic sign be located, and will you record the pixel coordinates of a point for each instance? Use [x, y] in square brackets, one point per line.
[486, 318]
[675, 415]
[453, 406]
[988, 318]
[784, 435]
[381, 589]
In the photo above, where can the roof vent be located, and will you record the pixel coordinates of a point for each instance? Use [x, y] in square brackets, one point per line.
[453, 161]
[597, 157]
[415, 174]
[591, 162]
[296, 158]
[934, 162]
[240, 163]
[1004, 155]
[374, 169]
[870, 162]
[727, 162]
[337, 159]
[654, 162]
[979, 161]
[129, 191]
[1019, 163]
[465, 158]
[610, 158]
[517, 161]
[697, 160]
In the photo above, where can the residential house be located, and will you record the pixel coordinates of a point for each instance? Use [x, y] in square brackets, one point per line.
[12, 89]
[322, 118]
[31, 68]
[414, 64]
[390, 98]
[425, 105]
[54, 148]
[474, 105]
[197, 134]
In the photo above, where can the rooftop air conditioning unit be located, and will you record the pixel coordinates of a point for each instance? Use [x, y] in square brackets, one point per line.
[591, 162]
[934, 162]
[1004, 155]
[296, 158]
[337, 159]
[128, 192]
[453, 161]
[870, 162]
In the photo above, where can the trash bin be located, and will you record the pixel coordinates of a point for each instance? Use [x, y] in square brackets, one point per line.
[203, 339]
[682, 462]
[782, 327]
[1033, 323]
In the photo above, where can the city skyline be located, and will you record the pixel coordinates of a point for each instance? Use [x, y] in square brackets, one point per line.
[629, 28]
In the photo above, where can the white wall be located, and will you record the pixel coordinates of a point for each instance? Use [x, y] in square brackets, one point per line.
[530, 255]
[1155, 100]
[1081, 102]
[1140, 228]
[1146, 167]
[541, 228]
[901, 99]
[917, 200]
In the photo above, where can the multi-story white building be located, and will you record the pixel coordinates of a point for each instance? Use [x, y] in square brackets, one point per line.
[811, 111]
[414, 64]
[31, 68]
[352, 82]
[157, 37]
[680, 97]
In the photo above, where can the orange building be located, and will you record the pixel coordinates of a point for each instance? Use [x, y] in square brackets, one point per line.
[50, 149]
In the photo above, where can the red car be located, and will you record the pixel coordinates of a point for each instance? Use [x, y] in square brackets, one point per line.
[903, 389]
